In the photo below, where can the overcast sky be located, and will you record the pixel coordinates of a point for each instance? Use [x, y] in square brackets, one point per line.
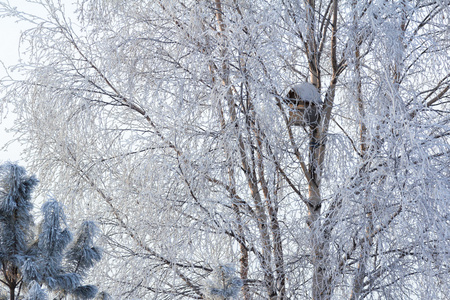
[10, 32]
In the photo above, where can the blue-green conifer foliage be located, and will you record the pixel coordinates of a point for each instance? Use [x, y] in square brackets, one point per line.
[45, 256]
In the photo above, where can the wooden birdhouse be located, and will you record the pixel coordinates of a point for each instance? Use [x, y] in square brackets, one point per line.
[304, 105]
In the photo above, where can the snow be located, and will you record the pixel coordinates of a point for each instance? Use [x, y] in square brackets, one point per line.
[307, 92]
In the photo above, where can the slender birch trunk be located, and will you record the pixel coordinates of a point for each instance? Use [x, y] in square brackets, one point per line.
[249, 170]
[321, 289]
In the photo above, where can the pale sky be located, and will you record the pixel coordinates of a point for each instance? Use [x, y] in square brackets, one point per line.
[10, 31]
[9, 55]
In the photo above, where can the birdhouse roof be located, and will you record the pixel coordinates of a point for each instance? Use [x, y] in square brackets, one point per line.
[305, 92]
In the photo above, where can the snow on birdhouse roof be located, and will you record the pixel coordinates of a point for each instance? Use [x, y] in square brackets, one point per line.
[307, 92]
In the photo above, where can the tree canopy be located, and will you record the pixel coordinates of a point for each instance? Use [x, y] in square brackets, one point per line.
[166, 122]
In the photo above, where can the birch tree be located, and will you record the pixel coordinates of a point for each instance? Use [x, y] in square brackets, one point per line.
[167, 122]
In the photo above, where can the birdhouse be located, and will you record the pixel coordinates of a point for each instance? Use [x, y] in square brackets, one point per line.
[304, 105]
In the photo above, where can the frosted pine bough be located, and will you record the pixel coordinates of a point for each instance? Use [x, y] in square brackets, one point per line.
[223, 284]
[36, 292]
[54, 259]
